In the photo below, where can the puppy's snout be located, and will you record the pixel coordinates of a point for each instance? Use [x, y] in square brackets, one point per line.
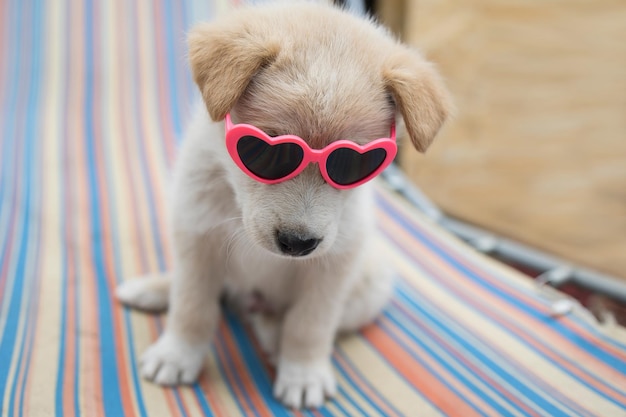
[295, 244]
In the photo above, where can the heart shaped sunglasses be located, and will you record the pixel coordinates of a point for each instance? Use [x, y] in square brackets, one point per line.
[343, 164]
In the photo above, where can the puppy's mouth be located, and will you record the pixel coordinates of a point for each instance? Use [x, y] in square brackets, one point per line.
[296, 244]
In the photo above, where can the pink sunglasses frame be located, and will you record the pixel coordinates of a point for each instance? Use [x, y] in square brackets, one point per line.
[320, 156]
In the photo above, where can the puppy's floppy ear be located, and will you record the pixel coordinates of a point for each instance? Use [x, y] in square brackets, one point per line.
[223, 59]
[420, 95]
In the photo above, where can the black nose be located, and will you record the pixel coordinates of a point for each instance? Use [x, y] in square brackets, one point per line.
[296, 245]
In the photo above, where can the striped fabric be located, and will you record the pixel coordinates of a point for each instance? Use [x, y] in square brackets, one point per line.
[93, 99]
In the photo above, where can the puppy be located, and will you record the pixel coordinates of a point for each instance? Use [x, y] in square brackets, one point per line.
[295, 249]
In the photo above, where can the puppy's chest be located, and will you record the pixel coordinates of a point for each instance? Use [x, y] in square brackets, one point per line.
[260, 279]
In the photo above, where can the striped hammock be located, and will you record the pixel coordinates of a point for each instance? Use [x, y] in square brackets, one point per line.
[94, 96]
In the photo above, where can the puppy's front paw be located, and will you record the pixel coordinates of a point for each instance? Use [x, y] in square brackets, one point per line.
[304, 384]
[172, 361]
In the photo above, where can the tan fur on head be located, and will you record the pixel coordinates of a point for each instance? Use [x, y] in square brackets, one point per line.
[224, 59]
[420, 95]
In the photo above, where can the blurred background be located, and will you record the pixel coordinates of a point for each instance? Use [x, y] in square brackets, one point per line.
[537, 151]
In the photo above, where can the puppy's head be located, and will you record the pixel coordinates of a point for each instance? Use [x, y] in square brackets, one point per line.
[323, 75]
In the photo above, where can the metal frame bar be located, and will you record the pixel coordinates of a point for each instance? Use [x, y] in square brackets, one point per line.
[556, 271]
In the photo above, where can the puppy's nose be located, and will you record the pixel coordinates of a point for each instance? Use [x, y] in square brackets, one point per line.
[296, 245]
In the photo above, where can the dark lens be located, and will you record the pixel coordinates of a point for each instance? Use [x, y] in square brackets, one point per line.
[346, 166]
[267, 161]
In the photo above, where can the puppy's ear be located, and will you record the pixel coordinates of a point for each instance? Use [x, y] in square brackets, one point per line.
[420, 95]
[223, 59]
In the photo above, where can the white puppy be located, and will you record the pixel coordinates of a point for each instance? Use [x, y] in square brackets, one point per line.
[297, 250]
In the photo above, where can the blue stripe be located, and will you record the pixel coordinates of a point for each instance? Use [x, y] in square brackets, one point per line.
[134, 364]
[8, 165]
[344, 395]
[111, 396]
[32, 135]
[179, 401]
[7, 111]
[556, 325]
[31, 335]
[191, 18]
[33, 311]
[9, 337]
[58, 392]
[171, 58]
[364, 381]
[77, 317]
[202, 400]
[64, 242]
[185, 83]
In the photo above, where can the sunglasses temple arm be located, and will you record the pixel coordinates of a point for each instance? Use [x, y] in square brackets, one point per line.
[228, 123]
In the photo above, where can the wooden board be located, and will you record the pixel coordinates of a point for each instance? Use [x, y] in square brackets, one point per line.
[537, 151]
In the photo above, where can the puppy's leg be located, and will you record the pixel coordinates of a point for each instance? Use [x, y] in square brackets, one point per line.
[177, 357]
[368, 297]
[146, 293]
[266, 329]
[305, 375]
